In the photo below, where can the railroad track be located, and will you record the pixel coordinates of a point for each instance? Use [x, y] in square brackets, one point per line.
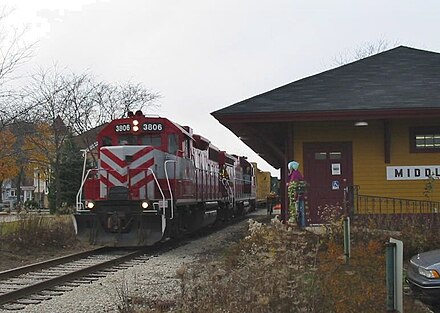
[41, 281]
[38, 282]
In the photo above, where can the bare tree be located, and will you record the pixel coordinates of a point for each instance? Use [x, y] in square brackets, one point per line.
[64, 104]
[365, 50]
[47, 96]
[14, 51]
[98, 103]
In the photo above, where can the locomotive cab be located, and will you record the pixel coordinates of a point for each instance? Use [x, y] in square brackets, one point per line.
[126, 196]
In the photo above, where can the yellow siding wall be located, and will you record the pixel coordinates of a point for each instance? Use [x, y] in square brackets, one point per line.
[369, 167]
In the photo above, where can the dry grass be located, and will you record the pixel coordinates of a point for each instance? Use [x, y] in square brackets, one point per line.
[282, 269]
[275, 268]
[271, 270]
[32, 232]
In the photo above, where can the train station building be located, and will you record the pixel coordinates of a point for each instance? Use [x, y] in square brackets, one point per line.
[372, 125]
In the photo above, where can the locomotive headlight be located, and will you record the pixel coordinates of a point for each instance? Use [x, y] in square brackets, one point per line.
[90, 205]
[135, 128]
[135, 122]
[145, 204]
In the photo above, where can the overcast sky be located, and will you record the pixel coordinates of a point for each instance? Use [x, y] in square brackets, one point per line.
[203, 55]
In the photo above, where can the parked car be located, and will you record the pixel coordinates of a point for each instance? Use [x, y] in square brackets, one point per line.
[423, 276]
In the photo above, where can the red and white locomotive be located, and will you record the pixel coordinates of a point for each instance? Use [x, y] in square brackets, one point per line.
[156, 179]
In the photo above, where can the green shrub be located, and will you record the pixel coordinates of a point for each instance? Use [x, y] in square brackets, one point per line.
[31, 205]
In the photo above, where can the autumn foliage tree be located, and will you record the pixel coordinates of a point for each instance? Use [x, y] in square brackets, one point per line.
[39, 148]
[8, 164]
[14, 52]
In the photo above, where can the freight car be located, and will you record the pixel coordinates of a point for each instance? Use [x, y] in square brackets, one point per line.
[263, 185]
[155, 180]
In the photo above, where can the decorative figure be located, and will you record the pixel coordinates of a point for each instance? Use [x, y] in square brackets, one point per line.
[296, 189]
[294, 173]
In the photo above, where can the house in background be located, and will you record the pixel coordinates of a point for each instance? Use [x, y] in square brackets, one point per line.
[372, 125]
[9, 192]
[41, 189]
[32, 186]
[36, 189]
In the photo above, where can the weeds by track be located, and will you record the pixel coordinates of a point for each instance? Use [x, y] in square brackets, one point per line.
[34, 283]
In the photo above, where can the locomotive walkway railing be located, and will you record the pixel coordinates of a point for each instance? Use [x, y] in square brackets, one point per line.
[79, 202]
[168, 183]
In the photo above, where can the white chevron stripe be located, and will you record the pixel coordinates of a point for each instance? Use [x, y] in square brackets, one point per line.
[113, 165]
[103, 186]
[120, 153]
[102, 189]
[137, 178]
[115, 181]
[142, 192]
[135, 164]
[138, 162]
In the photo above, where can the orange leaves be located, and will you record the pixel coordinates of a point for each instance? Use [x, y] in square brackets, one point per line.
[39, 147]
[359, 286]
[8, 161]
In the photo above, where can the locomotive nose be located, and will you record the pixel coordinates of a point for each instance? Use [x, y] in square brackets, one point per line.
[114, 223]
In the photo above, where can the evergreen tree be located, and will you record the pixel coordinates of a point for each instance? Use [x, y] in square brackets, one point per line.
[70, 176]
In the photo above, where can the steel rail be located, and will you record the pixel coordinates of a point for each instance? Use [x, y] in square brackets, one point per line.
[53, 262]
[59, 280]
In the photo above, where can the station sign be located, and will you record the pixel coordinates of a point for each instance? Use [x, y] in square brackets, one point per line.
[417, 172]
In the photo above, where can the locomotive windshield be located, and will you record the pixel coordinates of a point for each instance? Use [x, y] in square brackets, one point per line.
[151, 140]
[127, 140]
[173, 144]
[144, 140]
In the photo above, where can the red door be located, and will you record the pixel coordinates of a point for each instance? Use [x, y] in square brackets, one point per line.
[328, 168]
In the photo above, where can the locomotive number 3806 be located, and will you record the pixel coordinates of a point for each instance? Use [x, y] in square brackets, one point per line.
[152, 127]
[147, 127]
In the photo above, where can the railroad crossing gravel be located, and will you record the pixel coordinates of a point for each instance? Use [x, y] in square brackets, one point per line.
[155, 279]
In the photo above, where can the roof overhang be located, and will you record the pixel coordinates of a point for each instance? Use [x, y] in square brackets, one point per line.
[267, 133]
[326, 115]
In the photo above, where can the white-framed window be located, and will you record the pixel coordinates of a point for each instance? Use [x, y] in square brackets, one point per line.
[425, 139]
